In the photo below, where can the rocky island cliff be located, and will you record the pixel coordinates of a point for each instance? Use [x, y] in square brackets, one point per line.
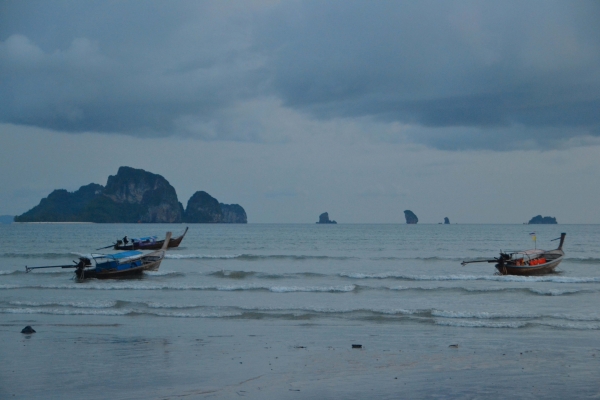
[538, 219]
[324, 219]
[132, 195]
[203, 208]
[411, 217]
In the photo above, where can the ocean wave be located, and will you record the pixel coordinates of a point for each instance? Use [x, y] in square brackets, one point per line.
[497, 278]
[74, 304]
[432, 258]
[481, 315]
[141, 286]
[170, 305]
[583, 260]
[124, 312]
[535, 291]
[62, 311]
[285, 289]
[163, 273]
[557, 292]
[262, 275]
[197, 314]
[569, 325]
[200, 256]
[482, 324]
[467, 319]
[8, 272]
[232, 274]
[37, 255]
[254, 257]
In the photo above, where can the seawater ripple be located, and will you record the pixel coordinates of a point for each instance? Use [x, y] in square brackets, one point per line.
[137, 286]
[499, 278]
[143, 286]
[439, 317]
[254, 257]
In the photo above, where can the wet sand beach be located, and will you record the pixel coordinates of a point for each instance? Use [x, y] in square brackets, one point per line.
[215, 359]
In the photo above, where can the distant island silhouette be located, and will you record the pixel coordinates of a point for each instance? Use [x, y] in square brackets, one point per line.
[538, 219]
[130, 196]
[411, 217]
[324, 219]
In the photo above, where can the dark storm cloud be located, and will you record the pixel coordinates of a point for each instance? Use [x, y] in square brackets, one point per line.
[444, 64]
[477, 74]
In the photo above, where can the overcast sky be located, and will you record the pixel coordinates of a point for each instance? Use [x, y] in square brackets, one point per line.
[480, 111]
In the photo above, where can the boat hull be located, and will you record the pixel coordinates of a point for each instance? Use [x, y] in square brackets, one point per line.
[149, 263]
[527, 270]
[175, 242]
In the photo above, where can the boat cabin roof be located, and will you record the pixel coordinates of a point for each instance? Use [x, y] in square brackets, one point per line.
[145, 239]
[119, 256]
[533, 252]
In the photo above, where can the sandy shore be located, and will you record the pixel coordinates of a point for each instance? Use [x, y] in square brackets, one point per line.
[94, 358]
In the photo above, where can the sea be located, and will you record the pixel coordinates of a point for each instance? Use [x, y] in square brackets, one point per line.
[278, 311]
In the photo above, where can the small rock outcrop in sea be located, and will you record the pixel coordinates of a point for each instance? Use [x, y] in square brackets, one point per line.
[410, 216]
[446, 221]
[203, 208]
[132, 195]
[324, 219]
[28, 329]
[538, 219]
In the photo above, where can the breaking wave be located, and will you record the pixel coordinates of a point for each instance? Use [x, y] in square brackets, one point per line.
[138, 286]
[465, 319]
[496, 278]
[254, 257]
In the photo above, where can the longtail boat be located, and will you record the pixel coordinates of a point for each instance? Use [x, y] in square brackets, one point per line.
[116, 265]
[146, 243]
[528, 262]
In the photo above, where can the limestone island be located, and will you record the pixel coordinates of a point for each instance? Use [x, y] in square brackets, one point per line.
[131, 196]
[446, 221]
[410, 216]
[324, 219]
[538, 219]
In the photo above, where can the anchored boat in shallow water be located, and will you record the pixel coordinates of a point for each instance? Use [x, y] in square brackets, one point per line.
[146, 243]
[116, 265]
[528, 262]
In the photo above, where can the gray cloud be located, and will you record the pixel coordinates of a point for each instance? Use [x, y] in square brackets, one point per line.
[462, 74]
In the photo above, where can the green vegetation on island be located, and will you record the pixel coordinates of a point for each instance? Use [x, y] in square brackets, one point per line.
[132, 195]
[538, 219]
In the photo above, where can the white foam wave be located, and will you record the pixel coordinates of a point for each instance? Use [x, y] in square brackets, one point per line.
[285, 289]
[162, 273]
[165, 305]
[555, 292]
[7, 272]
[59, 311]
[570, 325]
[196, 315]
[75, 304]
[400, 288]
[145, 286]
[480, 324]
[201, 256]
[480, 314]
[497, 278]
